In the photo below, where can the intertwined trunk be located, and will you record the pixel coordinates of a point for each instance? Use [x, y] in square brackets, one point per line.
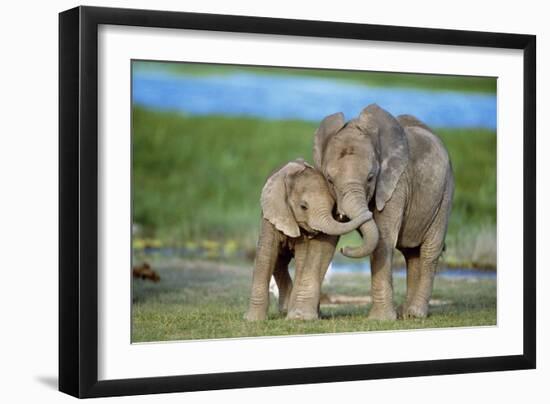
[323, 221]
[354, 204]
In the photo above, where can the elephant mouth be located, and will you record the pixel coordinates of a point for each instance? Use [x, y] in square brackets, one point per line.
[340, 217]
[309, 232]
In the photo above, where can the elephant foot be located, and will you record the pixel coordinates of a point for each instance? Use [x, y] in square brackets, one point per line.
[380, 313]
[414, 311]
[255, 315]
[298, 314]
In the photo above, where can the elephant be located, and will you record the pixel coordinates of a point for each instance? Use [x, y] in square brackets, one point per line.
[297, 222]
[399, 170]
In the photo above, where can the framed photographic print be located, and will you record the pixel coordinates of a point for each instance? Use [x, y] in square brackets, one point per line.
[252, 201]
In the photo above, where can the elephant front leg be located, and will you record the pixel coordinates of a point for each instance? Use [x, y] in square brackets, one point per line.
[284, 282]
[312, 257]
[328, 248]
[305, 293]
[382, 285]
[267, 254]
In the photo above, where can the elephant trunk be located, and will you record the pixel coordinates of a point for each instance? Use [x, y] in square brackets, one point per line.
[324, 222]
[354, 203]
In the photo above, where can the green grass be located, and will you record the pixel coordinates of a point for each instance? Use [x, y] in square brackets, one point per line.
[197, 300]
[201, 177]
[376, 79]
[471, 237]
[198, 180]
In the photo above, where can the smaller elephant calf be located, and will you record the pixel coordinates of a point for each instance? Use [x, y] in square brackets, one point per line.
[297, 223]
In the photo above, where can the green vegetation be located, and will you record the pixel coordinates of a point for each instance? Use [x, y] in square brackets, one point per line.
[471, 237]
[196, 300]
[201, 177]
[197, 181]
[376, 79]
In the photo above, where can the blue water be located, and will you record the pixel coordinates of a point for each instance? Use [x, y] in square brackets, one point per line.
[309, 99]
[454, 273]
[362, 267]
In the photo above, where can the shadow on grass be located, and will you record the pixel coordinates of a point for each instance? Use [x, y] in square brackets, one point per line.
[207, 300]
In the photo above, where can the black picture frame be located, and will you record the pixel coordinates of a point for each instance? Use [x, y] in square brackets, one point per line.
[78, 201]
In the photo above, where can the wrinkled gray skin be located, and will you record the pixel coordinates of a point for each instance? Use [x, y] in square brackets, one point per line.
[297, 222]
[400, 171]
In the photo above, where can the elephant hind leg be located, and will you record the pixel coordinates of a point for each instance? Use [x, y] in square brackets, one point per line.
[422, 270]
[430, 251]
[414, 265]
[284, 282]
[267, 255]
[417, 305]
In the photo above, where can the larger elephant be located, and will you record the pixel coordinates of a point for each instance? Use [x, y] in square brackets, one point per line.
[399, 170]
[297, 222]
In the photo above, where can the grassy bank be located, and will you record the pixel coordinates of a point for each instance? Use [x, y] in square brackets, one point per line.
[375, 79]
[197, 300]
[197, 180]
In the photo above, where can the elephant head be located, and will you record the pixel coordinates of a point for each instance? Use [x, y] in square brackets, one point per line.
[296, 196]
[362, 161]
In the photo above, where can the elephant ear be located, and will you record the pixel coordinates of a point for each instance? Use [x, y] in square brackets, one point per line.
[328, 127]
[409, 120]
[274, 199]
[393, 150]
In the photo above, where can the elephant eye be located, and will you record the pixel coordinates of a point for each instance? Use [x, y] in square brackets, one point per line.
[370, 177]
[329, 180]
[303, 205]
